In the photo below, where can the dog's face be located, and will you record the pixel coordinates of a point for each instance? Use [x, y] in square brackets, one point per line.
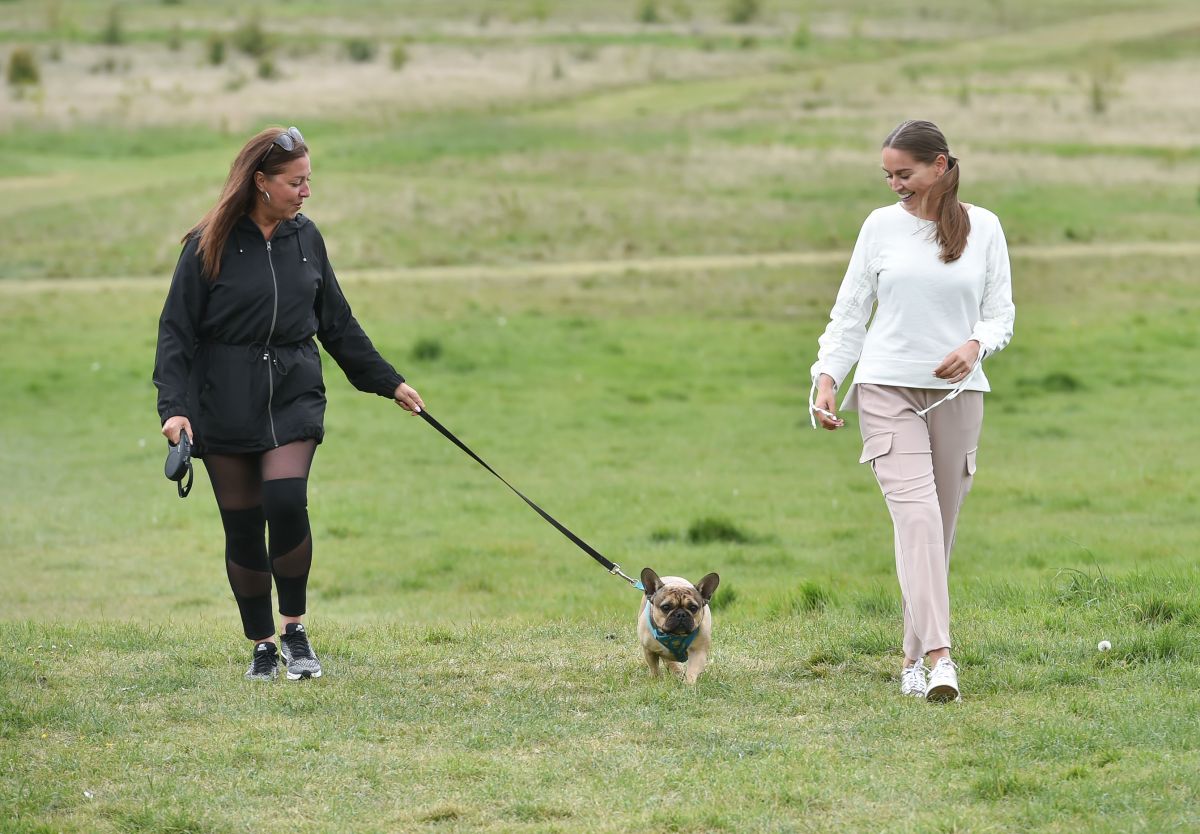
[676, 609]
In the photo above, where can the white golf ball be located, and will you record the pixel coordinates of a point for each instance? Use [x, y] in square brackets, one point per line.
[1104, 645]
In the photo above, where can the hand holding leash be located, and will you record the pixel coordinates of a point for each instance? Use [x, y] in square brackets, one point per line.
[179, 461]
[407, 398]
[173, 426]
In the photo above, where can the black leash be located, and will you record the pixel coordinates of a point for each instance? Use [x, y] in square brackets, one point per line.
[611, 567]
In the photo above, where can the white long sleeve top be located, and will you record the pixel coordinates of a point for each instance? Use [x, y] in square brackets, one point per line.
[926, 308]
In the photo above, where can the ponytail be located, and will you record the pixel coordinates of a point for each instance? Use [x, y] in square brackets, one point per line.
[925, 142]
[952, 222]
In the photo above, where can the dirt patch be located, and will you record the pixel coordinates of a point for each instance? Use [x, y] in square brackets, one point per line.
[148, 84]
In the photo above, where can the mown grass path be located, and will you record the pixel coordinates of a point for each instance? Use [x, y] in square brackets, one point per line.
[579, 269]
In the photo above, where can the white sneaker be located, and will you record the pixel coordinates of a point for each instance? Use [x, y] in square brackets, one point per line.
[912, 680]
[943, 682]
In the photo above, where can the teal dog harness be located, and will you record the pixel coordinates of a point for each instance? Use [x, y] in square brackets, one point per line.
[676, 644]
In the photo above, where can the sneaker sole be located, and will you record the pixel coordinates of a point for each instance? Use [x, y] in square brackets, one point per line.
[298, 676]
[943, 694]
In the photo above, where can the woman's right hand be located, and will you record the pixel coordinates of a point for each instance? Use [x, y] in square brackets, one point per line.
[174, 426]
[827, 401]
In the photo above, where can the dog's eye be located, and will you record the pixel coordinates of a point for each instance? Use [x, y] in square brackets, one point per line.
[666, 608]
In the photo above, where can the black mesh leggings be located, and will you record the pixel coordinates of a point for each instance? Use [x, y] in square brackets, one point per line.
[256, 493]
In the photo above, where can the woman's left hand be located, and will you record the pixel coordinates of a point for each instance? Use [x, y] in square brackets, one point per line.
[408, 399]
[958, 363]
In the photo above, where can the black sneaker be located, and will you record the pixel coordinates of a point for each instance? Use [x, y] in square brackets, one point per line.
[298, 654]
[265, 665]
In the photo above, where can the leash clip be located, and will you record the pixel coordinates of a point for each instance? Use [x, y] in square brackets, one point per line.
[616, 570]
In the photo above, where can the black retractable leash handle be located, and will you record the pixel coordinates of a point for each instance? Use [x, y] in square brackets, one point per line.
[179, 463]
[611, 567]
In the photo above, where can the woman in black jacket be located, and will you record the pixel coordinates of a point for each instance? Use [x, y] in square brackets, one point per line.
[238, 370]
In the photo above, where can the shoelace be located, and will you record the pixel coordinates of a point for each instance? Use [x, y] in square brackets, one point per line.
[913, 677]
[263, 662]
[297, 644]
[944, 666]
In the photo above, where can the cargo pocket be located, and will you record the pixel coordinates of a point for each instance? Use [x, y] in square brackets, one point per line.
[971, 462]
[875, 445]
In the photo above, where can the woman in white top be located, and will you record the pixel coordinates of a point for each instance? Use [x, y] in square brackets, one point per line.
[938, 270]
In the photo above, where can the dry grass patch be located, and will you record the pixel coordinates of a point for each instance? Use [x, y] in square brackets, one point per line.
[149, 84]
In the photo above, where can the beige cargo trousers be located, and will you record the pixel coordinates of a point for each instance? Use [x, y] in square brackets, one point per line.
[924, 465]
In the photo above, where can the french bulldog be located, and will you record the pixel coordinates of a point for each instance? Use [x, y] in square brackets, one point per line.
[675, 623]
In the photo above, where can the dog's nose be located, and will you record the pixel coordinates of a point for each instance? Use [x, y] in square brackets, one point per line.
[680, 619]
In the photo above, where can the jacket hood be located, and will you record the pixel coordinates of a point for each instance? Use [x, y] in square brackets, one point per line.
[285, 229]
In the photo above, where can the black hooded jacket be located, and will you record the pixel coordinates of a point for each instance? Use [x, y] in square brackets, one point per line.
[236, 356]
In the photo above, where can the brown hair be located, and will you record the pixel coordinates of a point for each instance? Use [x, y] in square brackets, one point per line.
[924, 142]
[238, 196]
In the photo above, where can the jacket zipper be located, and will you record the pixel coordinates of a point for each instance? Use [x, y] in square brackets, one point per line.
[267, 350]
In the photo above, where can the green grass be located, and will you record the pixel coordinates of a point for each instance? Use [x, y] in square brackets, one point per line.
[482, 674]
[562, 194]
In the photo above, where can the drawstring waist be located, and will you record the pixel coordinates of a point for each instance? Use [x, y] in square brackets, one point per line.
[268, 352]
[261, 351]
[960, 387]
[954, 392]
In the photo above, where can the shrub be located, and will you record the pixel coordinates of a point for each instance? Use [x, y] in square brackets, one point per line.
[725, 596]
[399, 56]
[427, 350]
[175, 39]
[802, 37]
[680, 10]
[648, 12]
[807, 598]
[1059, 381]
[108, 64]
[360, 50]
[216, 49]
[742, 11]
[661, 535]
[583, 52]
[811, 597]
[267, 69]
[251, 39]
[113, 32]
[1103, 83]
[964, 93]
[22, 68]
[708, 530]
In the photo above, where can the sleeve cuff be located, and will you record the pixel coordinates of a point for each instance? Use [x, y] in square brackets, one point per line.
[390, 385]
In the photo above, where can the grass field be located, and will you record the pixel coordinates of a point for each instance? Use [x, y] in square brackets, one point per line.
[608, 279]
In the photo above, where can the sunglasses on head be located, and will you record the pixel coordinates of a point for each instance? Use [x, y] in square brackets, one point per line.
[289, 140]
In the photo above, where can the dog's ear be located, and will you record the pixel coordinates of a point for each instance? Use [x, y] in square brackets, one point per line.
[650, 581]
[708, 586]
